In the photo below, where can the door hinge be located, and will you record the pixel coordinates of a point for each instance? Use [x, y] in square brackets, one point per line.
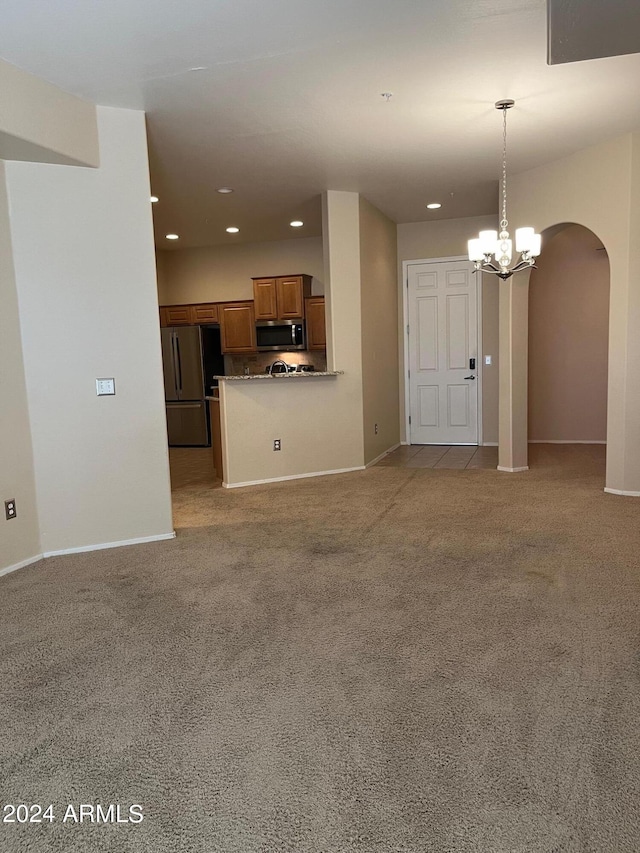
[409, 420]
[409, 373]
[407, 328]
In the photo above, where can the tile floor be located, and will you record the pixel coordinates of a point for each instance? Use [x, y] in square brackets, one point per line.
[193, 466]
[441, 456]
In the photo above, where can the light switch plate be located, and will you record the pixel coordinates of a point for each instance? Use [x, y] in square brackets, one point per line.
[105, 387]
[487, 359]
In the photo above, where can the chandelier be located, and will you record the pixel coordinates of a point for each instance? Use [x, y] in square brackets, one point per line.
[500, 246]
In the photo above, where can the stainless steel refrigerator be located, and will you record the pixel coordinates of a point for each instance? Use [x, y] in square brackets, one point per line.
[191, 355]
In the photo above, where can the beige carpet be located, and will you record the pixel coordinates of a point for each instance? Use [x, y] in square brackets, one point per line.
[394, 661]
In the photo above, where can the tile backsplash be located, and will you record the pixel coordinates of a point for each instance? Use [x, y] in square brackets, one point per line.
[258, 362]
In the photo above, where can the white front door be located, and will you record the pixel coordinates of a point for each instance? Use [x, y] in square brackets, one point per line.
[443, 353]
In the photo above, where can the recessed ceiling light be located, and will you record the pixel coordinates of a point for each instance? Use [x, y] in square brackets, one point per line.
[297, 223]
[154, 199]
[232, 230]
[172, 237]
[434, 205]
[224, 190]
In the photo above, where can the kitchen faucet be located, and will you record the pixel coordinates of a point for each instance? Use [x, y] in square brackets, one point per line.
[279, 361]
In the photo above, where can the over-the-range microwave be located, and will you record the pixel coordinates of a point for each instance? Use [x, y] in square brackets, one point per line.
[281, 335]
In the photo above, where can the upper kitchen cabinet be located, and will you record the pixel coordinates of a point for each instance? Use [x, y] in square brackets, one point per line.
[189, 315]
[237, 327]
[282, 297]
[316, 327]
[177, 315]
[265, 299]
[206, 312]
[290, 296]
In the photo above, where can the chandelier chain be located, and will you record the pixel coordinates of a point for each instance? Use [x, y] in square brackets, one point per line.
[504, 222]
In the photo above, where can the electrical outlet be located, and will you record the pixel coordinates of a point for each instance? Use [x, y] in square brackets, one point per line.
[10, 509]
[276, 444]
[375, 428]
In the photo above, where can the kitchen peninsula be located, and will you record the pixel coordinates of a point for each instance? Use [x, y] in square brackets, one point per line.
[265, 430]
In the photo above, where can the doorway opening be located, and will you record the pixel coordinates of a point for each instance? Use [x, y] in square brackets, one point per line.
[568, 350]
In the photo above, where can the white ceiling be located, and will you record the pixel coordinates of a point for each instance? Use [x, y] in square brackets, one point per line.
[286, 101]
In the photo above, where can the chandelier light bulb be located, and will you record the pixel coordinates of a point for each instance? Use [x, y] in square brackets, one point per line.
[476, 252]
[536, 245]
[488, 240]
[523, 239]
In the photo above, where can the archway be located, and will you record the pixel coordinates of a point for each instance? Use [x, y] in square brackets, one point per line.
[569, 348]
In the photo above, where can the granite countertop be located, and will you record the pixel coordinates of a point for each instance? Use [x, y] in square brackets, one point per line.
[304, 375]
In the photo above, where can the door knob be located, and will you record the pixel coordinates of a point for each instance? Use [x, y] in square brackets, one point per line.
[469, 377]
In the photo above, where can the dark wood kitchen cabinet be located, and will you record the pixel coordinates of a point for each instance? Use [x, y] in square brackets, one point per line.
[264, 298]
[281, 297]
[177, 315]
[237, 327]
[189, 315]
[316, 327]
[290, 296]
[206, 312]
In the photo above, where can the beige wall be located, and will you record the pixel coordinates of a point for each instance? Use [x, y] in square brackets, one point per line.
[318, 420]
[84, 267]
[219, 273]
[631, 429]
[441, 238]
[569, 339]
[490, 346]
[161, 273]
[380, 371]
[513, 375]
[41, 123]
[343, 294]
[447, 238]
[19, 538]
[599, 188]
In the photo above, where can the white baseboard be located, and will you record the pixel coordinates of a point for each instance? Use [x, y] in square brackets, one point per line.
[488, 444]
[382, 455]
[21, 565]
[553, 441]
[291, 477]
[626, 494]
[513, 470]
[101, 547]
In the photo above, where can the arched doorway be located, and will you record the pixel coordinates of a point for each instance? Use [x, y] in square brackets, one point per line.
[568, 349]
